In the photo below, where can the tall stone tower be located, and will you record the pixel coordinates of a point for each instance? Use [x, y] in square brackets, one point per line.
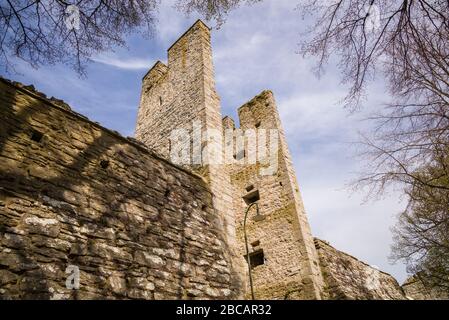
[283, 256]
[175, 96]
[182, 95]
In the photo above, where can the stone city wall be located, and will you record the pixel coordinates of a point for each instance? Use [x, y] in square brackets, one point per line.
[73, 193]
[348, 278]
[416, 288]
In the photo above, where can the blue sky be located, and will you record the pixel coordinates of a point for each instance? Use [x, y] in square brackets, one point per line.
[255, 50]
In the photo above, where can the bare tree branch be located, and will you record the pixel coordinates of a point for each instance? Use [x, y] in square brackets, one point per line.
[40, 32]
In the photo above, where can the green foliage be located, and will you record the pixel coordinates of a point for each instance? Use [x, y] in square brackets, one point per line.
[422, 232]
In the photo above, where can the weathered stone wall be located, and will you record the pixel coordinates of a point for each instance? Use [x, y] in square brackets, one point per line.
[138, 226]
[416, 289]
[74, 193]
[348, 278]
[291, 268]
[175, 97]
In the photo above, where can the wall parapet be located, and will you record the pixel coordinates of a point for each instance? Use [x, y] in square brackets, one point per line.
[348, 278]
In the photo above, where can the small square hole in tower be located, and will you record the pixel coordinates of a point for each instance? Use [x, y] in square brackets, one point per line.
[37, 136]
[256, 258]
[255, 243]
[104, 164]
[257, 124]
[249, 188]
[251, 197]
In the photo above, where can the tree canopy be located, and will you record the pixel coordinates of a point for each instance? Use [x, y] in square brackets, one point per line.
[55, 31]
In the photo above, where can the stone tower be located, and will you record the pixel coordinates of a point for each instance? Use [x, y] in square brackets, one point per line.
[181, 95]
[282, 251]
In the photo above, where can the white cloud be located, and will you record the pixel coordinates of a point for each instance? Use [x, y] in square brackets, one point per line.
[127, 64]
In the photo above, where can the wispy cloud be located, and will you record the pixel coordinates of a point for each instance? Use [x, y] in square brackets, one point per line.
[127, 64]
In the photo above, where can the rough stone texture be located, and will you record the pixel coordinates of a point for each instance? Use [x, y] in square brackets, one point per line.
[182, 92]
[415, 289]
[348, 278]
[140, 227]
[291, 269]
[174, 96]
[74, 193]
[179, 94]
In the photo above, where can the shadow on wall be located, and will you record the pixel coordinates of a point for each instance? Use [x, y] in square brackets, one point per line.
[72, 193]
